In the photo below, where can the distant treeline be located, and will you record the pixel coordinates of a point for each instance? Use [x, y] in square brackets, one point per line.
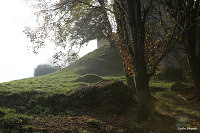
[44, 69]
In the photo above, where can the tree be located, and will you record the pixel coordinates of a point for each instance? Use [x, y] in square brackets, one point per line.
[133, 38]
[90, 27]
[61, 59]
[44, 69]
[145, 45]
[186, 14]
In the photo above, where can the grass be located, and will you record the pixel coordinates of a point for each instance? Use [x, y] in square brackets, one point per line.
[173, 104]
[55, 82]
[101, 62]
[10, 121]
[176, 106]
[161, 84]
[44, 95]
[33, 95]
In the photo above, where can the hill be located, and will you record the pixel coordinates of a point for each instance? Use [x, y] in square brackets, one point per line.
[89, 96]
[104, 63]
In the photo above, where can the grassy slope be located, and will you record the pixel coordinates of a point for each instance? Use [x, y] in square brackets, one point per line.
[28, 96]
[105, 64]
[102, 62]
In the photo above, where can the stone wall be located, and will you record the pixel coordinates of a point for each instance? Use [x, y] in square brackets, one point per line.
[102, 41]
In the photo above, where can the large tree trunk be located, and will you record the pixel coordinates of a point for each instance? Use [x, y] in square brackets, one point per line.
[142, 87]
[122, 31]
[141, 75]
[195, 69]
[123, 39]
[131, 83]
[193, 58]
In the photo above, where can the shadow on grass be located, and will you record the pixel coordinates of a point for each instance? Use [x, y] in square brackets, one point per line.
[156, 89]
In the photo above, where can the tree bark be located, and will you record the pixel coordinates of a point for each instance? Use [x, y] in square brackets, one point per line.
[131, 83]
[141, 75]
[193, 57]
[142, 87]
[122, 31]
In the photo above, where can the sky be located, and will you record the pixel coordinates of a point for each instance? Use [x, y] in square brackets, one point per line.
[16, 61]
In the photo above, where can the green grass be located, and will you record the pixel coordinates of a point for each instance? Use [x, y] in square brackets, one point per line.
[27, 95]
[188, 111]
[10, 121]
[44, 95]
[161, 84]
[121, 78]
[175, 105]
[101, 62]
[55, 82]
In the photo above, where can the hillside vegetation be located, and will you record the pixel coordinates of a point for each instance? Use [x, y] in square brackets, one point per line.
[89, 96]
[103, 62]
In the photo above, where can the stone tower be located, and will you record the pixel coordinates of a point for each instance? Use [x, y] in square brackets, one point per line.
[102, 41]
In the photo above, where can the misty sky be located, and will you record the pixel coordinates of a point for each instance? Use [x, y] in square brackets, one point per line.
[16, 61]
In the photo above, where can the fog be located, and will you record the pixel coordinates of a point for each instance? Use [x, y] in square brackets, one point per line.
[16, 61]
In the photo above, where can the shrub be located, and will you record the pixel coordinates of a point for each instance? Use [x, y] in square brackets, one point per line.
[44, 69]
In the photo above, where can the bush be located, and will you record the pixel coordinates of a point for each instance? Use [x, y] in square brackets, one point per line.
[44, 69]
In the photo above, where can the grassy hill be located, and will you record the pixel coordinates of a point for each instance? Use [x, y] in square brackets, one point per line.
[102, 62]
[42, 101]
[44, 95]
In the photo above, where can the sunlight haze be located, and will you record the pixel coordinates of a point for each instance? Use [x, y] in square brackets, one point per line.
[16, 61]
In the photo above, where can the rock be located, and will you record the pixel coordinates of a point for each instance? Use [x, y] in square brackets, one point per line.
[113, 95]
